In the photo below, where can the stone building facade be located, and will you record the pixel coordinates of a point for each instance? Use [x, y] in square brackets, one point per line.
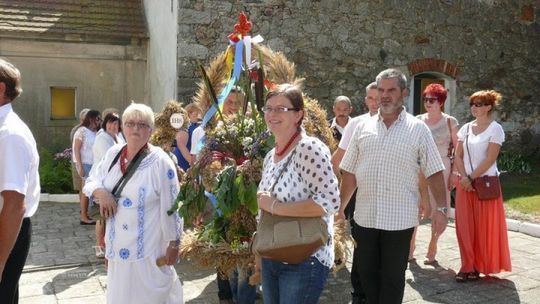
[340, 46]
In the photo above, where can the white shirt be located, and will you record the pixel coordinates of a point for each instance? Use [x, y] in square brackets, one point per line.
[141, 224]
[338, 127]
[386, 162]
[102, 144]
[19, 160]
[478, 146]
[349, 130]
[308, 175]
[87, 138]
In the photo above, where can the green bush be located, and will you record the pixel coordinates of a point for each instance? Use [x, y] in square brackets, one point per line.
[513, 163]
[55, 172]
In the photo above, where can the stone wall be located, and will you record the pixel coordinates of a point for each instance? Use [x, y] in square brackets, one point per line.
[340, 46]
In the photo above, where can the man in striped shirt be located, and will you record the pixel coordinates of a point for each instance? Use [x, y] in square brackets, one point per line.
[383, 161]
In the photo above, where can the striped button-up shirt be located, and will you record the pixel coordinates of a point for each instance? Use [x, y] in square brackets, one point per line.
[386, 162]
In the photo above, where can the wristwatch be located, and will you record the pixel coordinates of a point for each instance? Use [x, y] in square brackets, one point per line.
[444, 210]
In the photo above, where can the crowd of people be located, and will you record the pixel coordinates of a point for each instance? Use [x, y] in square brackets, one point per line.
[390, 170]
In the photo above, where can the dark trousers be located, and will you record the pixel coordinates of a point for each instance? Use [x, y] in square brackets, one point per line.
[224, 288]
[9, 287]
[382, 261]
[358, 295]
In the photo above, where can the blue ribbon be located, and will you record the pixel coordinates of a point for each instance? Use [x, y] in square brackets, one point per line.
[237, 69]
[214, 202]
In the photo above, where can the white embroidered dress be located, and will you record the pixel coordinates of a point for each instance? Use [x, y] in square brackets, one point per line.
[139, 233]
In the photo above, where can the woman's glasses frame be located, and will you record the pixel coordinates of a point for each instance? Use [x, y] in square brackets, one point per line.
[278, 110]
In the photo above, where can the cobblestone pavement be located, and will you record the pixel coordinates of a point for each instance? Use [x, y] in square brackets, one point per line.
[62, 268]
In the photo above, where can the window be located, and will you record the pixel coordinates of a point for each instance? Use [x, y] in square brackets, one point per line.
[62, 103]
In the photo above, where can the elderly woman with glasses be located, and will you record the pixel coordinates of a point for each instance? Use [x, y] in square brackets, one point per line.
[443, 128]
[480, 224]
[83, 157]
[135, 185]
[307, 187]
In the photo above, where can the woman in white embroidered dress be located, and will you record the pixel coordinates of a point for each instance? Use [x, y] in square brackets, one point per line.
[83, 142]
[306, 188]
[139, 230]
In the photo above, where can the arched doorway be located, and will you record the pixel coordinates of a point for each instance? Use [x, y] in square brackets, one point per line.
[420, 81]
[424, 72]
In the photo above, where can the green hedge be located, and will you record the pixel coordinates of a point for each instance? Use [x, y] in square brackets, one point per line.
[55, 172]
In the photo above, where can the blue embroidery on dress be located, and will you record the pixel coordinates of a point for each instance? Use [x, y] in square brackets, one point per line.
[170, 174]
[124, 253]
[127, 202]
[112, 235]
[125, 226]
[140, 223]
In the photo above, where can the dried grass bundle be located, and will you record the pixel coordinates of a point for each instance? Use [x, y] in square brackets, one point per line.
[164, 134]
[343, 242]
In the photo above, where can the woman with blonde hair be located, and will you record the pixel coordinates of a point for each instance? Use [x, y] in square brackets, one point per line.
[480, 224]
[135, 185]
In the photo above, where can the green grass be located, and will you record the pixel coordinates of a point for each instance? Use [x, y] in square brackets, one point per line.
[521, 192]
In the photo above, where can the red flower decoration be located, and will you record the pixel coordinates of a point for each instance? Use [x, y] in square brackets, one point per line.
[241, 29]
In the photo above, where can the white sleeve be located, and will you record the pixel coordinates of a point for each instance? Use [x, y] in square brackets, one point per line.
[347, 134]
[100, 147]
[196, 137]
[497, 134]
[99, 172]
[15, 167]
[168, 187]
[316, 170]
[462, 133]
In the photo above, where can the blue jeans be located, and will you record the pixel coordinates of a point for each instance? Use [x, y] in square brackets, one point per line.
[242, 292]
[293, 283]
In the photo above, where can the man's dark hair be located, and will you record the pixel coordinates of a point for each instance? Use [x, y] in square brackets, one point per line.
[11, 77]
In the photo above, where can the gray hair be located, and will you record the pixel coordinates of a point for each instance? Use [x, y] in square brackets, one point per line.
[371, 86]
[342, 99]
[139, 111]
[393, 73]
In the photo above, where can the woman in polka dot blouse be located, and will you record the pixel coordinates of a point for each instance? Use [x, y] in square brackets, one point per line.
[307, 187]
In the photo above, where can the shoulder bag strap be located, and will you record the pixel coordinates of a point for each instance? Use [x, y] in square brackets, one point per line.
[282, 170]
[132, 167]
[467, 145]
[451, 144]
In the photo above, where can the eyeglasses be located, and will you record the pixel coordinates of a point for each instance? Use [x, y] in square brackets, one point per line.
[478, 104]
[278, 110]
[139, 125]
[430, 100]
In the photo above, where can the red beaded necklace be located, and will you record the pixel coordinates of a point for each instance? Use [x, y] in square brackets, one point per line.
[280, 153]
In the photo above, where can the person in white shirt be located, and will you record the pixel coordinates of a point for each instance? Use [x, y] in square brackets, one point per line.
[342, 109]
[19, 185]
[370, 100]
[480, 224]
[382, 161]
[83, 143]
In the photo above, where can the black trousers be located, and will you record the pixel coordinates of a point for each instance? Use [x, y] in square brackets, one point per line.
[382, 261]
[224, 288]
[9, 287]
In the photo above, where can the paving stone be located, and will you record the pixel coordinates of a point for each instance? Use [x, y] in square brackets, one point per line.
[86, 283]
